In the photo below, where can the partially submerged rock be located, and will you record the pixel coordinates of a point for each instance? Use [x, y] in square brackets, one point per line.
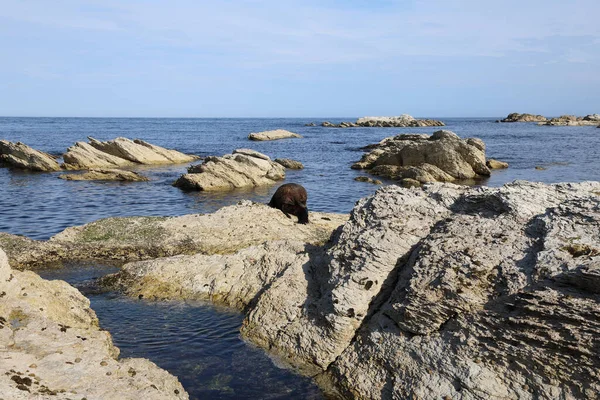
[366, 179]
[19, 155]
[289, 163]
[442, 157]
[120, 152]
[105, 175]
[495, 164]
[273, 135]
[572, 120]
[448, 291]
[53, 347]
[402, 121]
[516, 117]
[244, 168]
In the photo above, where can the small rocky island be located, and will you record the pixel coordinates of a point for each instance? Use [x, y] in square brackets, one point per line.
[403, 121]
[443, 291]
[516, 117]
[273, 135]
[563, 120]
[415, 159]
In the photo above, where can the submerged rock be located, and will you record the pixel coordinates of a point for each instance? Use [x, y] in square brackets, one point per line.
[105, 175]
[445, 291]
[53, 347]
[289, 163]
[21, 156]
[442, 157]
[243, 168]
[402, 121]
[516, 117]
[273, 135]
[366, 179]
[120, 152]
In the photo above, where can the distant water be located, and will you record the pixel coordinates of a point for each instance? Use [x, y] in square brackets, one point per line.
[39, 205]
[198, 343]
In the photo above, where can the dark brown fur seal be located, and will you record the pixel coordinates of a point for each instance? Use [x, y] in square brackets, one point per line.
[291, 199]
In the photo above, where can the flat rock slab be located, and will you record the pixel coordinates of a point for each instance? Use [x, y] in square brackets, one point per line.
[106, 175]
[273, 135]
[51, 346]
[289, 163]
[19, 155]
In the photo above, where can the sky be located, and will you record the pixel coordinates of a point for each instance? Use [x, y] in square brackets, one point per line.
[310, 58]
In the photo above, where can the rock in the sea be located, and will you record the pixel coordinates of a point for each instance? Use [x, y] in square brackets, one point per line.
[442, 157]
[310, 124]
[20, 155]
[366, 179]
[444, 292]
[516, 117]
[106, 175]
[495, 164]
[289, 163]
[572, 120]
[273, 135]
[53, 348]
[120, 152]
[245, 168]
[402, 121]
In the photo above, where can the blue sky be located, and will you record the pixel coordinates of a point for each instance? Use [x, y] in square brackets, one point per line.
[298, 58]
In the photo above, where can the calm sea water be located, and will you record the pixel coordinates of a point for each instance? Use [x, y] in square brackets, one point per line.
[39, 205]
[196, 342]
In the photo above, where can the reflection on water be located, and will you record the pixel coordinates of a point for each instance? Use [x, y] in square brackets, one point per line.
[39, 205]
[198, 343]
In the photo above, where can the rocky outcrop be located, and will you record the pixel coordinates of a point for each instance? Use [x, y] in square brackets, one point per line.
[106, 175]
[244, 168]
[21, 156]
[289, 163]
[516, 117]
[273, 135]
[442, 157]
[572, 120]
[441, 292]
[53, 347]
[120, 152]
[138, 238]
[402, 121]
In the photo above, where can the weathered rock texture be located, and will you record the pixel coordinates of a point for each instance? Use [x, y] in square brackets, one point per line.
[120, 152]
[442, 157]
[495, 164]
[20, 155]
[572, 120]
[516, 117]
[138, 238]
[441, 292]
[289, 163]
[105, 175]
[242, 169]
[273, 135]
[51, 347]
[403, 121]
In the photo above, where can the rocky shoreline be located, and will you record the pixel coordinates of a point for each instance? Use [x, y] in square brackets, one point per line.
[434, 292]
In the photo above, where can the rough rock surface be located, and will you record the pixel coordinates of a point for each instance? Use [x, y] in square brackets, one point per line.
[442, 157]
[402, 121]
[105, 175]
[516, 117]
[244, 168]
[120, 152]
[572, 120]
[273, 135]
[52, 347]
[289, 163]
[366, 179]
[137, 238]
[20, 155]
[440, 292]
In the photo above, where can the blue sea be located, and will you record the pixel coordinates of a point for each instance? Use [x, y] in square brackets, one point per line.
[196, 342]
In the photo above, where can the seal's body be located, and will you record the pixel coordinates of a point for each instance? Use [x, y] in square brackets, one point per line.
[291, 199]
